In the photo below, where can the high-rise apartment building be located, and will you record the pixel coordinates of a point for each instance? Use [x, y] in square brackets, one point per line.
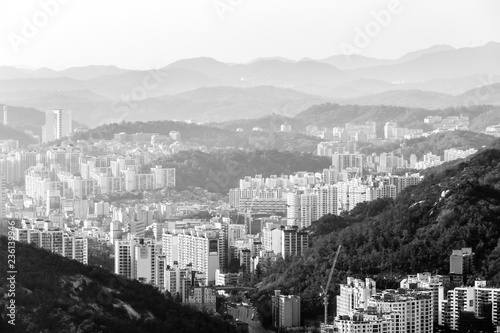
[56, 241]
[76, 248]
[293, 242]
[2, 196]
[163, 177]
[5, 115]
[389, 129]
[461, 261]
[328, 200]
[285, 310]
[124, 253]
[136, 259]
[58, 124]
[309, 211]
[415, 308]
[344, 161]
[193, 248]
[479, 300]
[223, 227]
[354, 295]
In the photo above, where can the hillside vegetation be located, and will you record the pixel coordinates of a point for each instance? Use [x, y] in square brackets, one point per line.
[220, 171]
[208, 136]
[10, 133]
[335, 115]
[454, 207]
[435, 143]
[56, 294]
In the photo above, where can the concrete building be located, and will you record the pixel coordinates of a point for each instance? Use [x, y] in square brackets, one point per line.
[197, 248]
[479, 300]
[203, 298]
[3, 197]
[285, 310]
[76, 248]
[177, 281]
[389, 129]
[461, 261]
[344, 161]
[135, 259]
[286, 127]
[414, 308]
[225, 279]
[56, 241]
[308, 212]
[293, 242]
[5, 115]
[454, 154]
[58, 124]
[354, 295]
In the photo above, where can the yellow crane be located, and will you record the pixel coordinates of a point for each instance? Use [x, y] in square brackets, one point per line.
[324, 291]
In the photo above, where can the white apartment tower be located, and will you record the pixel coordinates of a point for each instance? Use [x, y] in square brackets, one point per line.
[415, 309]
[136, 259]
[2, 196]
[389, 129]
[328, 200]
[354, 295]
[308, 209]
[196, 249]
[71, 247]
[58, 124]
[5, 115]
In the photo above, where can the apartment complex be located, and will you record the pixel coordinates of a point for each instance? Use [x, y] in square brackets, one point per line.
[56, 241]
[197, 249]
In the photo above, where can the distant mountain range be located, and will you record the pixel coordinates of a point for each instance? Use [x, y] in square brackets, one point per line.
[354, 61]
[482, 95]
[209, 90]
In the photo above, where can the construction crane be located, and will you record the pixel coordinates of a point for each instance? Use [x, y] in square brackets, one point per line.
[248, 216]
[324, 291]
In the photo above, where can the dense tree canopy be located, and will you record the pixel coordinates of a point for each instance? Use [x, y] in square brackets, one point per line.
[220, 171]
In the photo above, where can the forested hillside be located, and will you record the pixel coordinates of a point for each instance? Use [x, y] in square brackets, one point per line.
[56, 294]
[434, 143]
[335, 115]
[10, 133]
[452, 208]
[207, 135]
[220, 171]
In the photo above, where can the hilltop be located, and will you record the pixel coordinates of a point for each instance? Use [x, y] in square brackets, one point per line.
[435, 143]
[208, 136]
[336, 115]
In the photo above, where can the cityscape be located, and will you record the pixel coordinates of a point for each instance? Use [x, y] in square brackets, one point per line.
[307, 192]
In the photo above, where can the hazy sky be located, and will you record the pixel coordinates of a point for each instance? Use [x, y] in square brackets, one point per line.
[147, 34]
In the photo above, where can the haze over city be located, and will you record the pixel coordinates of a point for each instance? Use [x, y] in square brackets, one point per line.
[152, 34]
[250, 166]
